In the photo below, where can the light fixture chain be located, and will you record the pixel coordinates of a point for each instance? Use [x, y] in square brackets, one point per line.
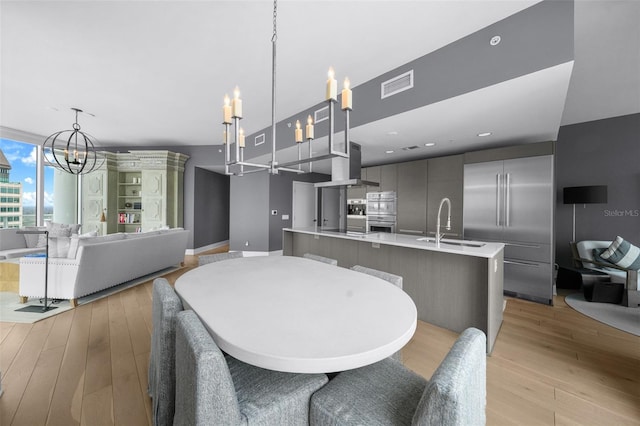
[274, 38]
[275, 16]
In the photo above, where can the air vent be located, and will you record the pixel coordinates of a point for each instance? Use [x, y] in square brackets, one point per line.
[259, 139]
[321, 115]
[409, 148]
[396, 85]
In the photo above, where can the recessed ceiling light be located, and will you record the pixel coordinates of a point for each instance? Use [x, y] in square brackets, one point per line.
[430, 144]
[392, 133]
[389, 151]
[482, 135]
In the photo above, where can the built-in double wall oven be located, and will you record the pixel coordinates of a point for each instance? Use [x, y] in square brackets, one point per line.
[381, 211]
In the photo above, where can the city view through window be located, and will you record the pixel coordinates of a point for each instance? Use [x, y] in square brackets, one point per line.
[18, 185]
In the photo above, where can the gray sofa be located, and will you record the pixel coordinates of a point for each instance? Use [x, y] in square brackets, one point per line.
[14, 245]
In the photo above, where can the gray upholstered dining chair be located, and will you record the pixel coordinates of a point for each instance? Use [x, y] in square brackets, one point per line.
[214, 388]
[165, 307]
[210, 258]
[323, 259]
[392, 278]
[386, 393]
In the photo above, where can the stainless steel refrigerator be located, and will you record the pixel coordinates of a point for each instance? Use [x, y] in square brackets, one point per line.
[511, 201]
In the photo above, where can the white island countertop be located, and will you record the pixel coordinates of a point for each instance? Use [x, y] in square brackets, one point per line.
[460, 247]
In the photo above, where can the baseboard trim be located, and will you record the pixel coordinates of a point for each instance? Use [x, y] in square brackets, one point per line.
[192, 252]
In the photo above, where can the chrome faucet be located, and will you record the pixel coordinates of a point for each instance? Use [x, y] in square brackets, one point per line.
[448, 227]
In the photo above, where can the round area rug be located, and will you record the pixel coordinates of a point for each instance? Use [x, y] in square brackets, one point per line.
[618, 316]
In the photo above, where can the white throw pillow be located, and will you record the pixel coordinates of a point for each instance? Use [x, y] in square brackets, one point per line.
[59, 246]
[74, 243]
[55, 230]
[32, 239]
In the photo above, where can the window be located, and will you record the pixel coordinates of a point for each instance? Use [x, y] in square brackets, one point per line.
[19, 178]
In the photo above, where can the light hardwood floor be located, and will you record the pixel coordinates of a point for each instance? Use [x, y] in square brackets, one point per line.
[550, 365]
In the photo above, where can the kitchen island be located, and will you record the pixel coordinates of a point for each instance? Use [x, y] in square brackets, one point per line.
[455, 284]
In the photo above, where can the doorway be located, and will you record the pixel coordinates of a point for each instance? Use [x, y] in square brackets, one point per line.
[331, 208]
[304, 205]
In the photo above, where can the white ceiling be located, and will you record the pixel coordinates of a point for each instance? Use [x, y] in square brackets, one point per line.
[153, 73]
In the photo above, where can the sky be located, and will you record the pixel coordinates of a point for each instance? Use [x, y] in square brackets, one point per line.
[22, 157]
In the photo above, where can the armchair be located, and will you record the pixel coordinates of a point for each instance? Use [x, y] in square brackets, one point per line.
[583, 256]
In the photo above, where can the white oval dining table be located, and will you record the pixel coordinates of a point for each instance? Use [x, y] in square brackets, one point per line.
[298, 315]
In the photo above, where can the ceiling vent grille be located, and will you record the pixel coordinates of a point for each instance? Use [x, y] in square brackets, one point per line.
[321, 115]
[259, 139]
[396, 85]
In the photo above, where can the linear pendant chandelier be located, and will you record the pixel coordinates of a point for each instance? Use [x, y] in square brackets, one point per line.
[232, 114]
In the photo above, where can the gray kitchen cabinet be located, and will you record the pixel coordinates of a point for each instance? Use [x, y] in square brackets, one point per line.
[412, 197]
[388, 178]
[373, 175]
[445, 178]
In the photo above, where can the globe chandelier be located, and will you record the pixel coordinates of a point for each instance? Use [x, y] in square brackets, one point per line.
[72, 151]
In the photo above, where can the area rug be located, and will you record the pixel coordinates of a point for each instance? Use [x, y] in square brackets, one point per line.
[9, 302]
[618, 316]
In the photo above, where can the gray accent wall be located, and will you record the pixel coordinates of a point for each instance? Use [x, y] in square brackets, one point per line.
[536, 38]
[211, 208]
[253, 197]
[281, 199]
[249, 221]
[601, 152]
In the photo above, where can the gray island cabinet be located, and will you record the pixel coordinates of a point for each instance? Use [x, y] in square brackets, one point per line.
[455, 285]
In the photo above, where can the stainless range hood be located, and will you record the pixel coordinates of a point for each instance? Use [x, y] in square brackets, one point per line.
[345, 172]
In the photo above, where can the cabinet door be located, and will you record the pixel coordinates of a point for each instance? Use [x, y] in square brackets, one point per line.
[373, 175]
[530, 280]
[482, 198]
[94, 200]
[388, 178]
[529, 199]
[412, 198]
[153, 199]
[445, 178]
[357, 192]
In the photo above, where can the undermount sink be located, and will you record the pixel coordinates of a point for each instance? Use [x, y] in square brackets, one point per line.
[452, 242]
